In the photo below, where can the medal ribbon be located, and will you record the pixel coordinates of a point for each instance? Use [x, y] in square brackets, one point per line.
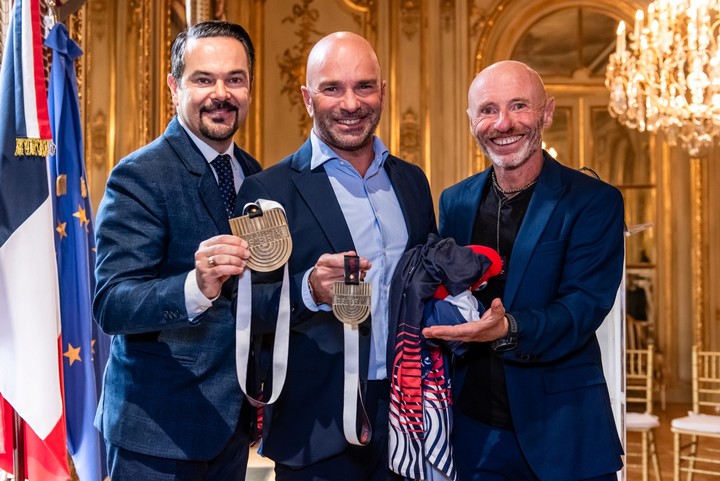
[351, 317]
[282, 330]
[352, 392]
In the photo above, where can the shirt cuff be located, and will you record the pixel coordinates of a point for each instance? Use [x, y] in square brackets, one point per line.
[307, 295]
[195, 301]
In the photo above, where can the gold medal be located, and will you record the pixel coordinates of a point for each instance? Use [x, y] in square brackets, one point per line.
[352, 298]
[267, 234]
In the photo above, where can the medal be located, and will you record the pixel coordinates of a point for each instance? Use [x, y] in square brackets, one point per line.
[267, 234]
[351, 298]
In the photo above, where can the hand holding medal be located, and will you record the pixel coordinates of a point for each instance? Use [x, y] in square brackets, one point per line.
[351, 297]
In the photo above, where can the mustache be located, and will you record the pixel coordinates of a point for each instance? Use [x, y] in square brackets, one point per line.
[220, 105]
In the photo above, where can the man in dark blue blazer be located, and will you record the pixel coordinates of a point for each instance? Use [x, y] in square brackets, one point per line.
[531, 398]
[343, 194]
[171, 406]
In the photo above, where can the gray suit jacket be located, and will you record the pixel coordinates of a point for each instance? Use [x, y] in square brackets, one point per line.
[170, 387]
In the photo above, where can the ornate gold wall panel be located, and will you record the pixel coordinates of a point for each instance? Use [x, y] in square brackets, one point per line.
[290, 28]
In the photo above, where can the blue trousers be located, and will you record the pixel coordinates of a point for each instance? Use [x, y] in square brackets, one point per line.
[356, 463]
[484, 453]
[229, 465]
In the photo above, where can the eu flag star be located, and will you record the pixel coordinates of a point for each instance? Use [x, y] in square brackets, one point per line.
[80, 214]
[72, 353]
[61, 229]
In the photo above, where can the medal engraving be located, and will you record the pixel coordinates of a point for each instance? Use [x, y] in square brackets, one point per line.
[352, 298]
[268, 236]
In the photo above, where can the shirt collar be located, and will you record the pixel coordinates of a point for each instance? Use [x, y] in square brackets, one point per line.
[208, 152]
[322, 152]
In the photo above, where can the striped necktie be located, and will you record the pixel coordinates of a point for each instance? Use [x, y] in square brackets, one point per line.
[224, 172]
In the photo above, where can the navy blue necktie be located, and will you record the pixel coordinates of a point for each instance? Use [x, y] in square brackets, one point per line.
[224, 172]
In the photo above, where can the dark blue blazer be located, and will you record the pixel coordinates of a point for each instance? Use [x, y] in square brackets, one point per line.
[305, 424]
[563, 277]
[170, 388]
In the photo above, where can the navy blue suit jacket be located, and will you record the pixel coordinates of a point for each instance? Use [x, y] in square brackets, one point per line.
[170, 388]
[563, 277]
[305, 424]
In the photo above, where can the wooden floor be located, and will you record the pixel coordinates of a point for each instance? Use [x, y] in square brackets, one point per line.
[664, 440]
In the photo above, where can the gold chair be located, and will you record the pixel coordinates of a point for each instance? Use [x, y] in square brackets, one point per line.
[639, 395]
[702, 422]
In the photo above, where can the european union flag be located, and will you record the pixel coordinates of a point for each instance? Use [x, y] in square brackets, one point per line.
[83, 345]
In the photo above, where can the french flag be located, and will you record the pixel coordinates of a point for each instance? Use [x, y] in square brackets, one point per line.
[30, 377]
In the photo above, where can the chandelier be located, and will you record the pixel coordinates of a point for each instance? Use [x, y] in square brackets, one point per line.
[668, 79]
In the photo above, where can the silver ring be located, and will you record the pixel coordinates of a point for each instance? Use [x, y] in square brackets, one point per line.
[211, 261]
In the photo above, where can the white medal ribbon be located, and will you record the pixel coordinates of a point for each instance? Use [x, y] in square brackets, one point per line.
[351, 390]
[243, 317]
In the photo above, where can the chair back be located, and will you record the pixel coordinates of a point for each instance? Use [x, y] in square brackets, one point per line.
[639, 378]
[706, 381]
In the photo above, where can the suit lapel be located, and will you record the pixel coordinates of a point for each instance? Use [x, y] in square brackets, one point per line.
[546, 196]
[468, 203]
[405, 195]
[314, 187]
[248, 164]
[196, 164]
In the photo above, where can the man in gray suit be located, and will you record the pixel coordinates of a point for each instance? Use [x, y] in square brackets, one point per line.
[172, 408]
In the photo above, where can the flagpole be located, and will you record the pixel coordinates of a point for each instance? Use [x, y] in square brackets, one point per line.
[19, 447]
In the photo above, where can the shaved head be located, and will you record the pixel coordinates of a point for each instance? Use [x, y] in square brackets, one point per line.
[344, 95]
[507, 71]
[336, 48]
[508, 110]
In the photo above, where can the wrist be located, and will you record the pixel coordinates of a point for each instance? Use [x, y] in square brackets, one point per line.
[310, 287]
[510, 340]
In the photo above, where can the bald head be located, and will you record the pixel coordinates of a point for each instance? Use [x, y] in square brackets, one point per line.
[339, 50]
[344, 95]
[508, 110]
[507, 74]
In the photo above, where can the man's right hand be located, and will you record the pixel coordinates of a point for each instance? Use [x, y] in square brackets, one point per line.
[328, 269]
[217, 259]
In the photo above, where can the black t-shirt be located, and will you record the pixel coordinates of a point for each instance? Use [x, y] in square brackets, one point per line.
[484, 393]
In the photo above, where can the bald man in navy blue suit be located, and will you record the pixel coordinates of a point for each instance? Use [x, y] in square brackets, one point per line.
[531, 401]
[344, 193]
[171, 406]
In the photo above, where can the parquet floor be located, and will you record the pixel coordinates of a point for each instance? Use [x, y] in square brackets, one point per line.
[664, 440]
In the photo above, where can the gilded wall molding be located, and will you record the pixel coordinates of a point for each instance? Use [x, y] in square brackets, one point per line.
[363, 12]
[4, 23]
[477, 19]
[292, 64]
[447, 12]
[698, 257]
[410, 136]
[145, 11]
[98, 140]
[410, 16]
[99, 11]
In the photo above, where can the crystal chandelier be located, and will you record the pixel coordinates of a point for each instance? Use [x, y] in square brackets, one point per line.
[669, 78]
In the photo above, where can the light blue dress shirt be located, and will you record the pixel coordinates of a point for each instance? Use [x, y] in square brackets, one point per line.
[377, 226]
